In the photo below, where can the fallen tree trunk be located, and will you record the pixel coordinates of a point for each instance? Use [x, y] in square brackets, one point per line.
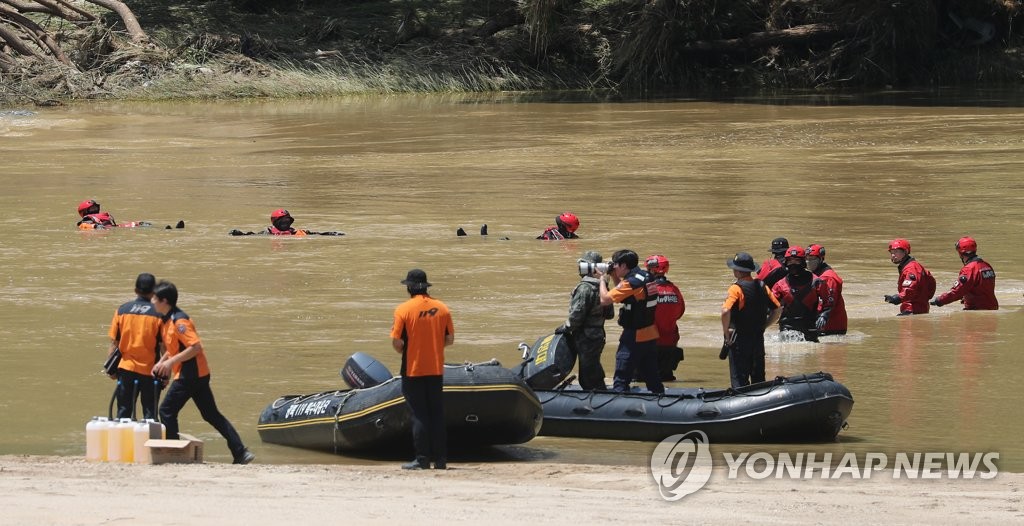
[39, 36]
[794, 35]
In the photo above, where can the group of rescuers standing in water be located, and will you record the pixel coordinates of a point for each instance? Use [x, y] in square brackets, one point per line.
[795, 288]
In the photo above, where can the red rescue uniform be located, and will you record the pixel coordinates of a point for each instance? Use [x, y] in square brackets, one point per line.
[913, 288]
[832, 300]
[671, 307]
[975, 287]
[772, 270]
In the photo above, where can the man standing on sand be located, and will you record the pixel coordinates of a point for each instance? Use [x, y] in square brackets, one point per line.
[135, 331]
[422, 329]
[185, 360]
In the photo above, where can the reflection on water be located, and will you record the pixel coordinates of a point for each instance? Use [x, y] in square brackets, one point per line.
[696, 181]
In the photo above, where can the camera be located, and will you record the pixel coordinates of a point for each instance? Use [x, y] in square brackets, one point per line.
[587, 268]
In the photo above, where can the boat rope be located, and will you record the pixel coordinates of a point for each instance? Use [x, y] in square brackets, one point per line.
[337, 415]
[775, 383]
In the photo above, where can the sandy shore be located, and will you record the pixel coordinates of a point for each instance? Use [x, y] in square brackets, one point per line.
[61, 490]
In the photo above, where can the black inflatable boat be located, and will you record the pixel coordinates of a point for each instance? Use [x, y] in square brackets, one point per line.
[484, 404]
[804, 408]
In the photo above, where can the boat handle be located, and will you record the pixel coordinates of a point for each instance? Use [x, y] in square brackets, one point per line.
[472, 418]
[582, 410]
[710, 412]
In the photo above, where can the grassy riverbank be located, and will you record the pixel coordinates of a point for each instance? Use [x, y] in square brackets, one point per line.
[203, 49]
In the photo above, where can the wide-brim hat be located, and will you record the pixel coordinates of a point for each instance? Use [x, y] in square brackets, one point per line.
[742, 262]
[416, 277]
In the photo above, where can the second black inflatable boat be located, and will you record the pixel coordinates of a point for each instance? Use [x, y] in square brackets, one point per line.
[804, 408]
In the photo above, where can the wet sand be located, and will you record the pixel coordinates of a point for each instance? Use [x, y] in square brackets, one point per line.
[43, 490]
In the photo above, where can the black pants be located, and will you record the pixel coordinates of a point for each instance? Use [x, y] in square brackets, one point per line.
[746, 361]
[425, 396]
[633, 356]
[588, 348]
[198, 389]
[132, 386]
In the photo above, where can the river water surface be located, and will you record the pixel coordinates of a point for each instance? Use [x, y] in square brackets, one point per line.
[695, 181]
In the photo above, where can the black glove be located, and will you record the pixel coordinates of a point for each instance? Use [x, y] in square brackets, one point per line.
[895, 300]
[724, 353]
[236, 232]
[561, 329]
[935, 302]
[821, 321]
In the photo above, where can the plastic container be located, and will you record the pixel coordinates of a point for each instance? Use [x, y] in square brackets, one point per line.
[163, 428]
[113, 434]
[125, 429]
[96, 439]
[140, 434]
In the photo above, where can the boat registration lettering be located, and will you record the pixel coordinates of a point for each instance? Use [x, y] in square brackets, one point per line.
[542, 350]
[309, 408]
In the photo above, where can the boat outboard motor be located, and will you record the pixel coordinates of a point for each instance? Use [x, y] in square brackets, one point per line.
[548, 362]
[362, 371]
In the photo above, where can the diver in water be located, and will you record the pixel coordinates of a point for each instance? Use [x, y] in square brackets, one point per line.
[565, 227]
[281, 225]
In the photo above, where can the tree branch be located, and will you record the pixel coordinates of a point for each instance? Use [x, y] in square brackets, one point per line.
[39, 35]
[793, 35]
[130, 22]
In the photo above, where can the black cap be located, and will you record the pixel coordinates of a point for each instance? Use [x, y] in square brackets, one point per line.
[416, 277]
[742, 262]
[779, 245]
[144, 283]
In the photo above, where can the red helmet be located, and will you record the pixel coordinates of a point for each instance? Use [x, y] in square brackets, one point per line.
[85, 206]
[657, 264]
[901, 244]
[796, 252]
[278, 214]
[966, 245]
[817, 251]
[570, 221]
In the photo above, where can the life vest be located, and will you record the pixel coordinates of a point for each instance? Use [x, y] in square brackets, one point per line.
[800, 298]
[99, 220]
[272, 230]
[638, 311]
[552, 233]
[756, 306]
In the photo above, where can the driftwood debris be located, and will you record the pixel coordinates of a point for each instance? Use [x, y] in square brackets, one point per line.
[22, 38]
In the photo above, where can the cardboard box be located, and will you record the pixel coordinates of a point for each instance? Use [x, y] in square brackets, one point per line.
[186, 450]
